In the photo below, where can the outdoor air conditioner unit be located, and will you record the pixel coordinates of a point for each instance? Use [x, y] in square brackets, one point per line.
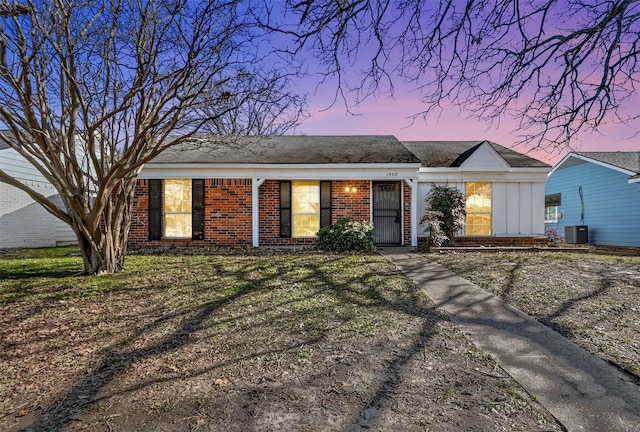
[578, 234]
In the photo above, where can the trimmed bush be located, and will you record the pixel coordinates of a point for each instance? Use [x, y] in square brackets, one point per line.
[346, 235]
[445, 214]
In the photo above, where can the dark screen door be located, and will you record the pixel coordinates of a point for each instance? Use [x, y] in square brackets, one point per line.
[387, 212]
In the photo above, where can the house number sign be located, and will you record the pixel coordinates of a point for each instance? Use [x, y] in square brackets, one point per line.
[392, 174]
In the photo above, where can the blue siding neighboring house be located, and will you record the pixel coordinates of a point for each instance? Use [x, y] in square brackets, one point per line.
[603, 188]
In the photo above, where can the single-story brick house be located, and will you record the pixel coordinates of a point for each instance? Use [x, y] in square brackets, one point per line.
[281, 190]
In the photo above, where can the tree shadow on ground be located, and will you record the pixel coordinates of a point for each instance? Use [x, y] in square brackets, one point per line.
[553, 319]
[122, 355]
[116, 359]
[390, 380]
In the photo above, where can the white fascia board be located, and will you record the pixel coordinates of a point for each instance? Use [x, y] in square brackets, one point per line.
[544, 170]
[452, 175]
[634, 180]
[213, 166]
[283, 172]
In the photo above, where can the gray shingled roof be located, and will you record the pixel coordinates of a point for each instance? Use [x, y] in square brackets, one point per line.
[294, 149]
[454, 153]
[629, 161]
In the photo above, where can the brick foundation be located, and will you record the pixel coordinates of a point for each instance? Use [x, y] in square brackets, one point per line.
[500, 241]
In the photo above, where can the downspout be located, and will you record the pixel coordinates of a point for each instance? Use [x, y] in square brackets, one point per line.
[581, 205]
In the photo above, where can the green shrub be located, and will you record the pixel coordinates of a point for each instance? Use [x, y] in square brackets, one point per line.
[436, 237]
[445, 214]
[345, 235]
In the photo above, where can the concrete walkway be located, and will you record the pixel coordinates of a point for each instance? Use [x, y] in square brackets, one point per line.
[583, 392]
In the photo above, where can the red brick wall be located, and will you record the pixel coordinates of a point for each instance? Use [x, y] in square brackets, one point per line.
[228, 213]
[406, 198]
[227, 220]
[139, 231]
[356, 205]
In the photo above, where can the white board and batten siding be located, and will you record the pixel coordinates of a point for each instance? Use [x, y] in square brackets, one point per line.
[517, 208]
[517, 193]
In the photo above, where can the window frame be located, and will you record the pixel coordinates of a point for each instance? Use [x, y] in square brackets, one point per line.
[480, 213]
[546, 214]
[286, 206]
[184, 182]
[295, 213]
[550, 201]
[156, 210]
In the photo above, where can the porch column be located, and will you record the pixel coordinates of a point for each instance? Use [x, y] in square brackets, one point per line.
[414, 211]
[255, 210]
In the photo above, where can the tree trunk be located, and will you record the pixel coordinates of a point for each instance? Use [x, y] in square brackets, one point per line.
[103, 242]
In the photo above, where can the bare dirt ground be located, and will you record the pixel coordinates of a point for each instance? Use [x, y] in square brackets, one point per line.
[592, 299]
[240, 342]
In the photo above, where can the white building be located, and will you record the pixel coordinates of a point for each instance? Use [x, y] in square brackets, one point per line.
[23, 222]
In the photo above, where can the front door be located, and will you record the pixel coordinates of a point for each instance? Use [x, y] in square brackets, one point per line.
[387, 212]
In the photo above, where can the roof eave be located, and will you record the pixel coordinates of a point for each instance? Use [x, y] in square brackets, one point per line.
[187, 165]
[593, 161]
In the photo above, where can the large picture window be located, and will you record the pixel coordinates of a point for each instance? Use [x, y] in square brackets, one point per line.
[305, 196]
[478, 206]
[305, 207]
[177, 208]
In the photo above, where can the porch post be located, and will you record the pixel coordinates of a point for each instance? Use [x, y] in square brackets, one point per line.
[255, 210]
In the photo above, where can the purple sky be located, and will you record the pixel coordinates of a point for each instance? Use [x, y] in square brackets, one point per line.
[385, 116]
[390, 117]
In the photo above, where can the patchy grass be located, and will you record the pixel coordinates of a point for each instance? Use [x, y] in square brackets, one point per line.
[255, 341]
[592, 299]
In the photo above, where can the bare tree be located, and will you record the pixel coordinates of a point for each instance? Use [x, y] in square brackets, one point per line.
[91, 90]
[558, 67]
[263, 105]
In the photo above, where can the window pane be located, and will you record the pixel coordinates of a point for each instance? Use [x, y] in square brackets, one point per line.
[305, 225]
[478, 225]
[177, 225]
[306, 197]
[478, 207]
[177, 207]
[177, 195]
[306, 208]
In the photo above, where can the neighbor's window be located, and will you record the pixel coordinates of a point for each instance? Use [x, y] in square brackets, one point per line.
[551, 203]
[478, 206]
[177, 208]
[305, 208]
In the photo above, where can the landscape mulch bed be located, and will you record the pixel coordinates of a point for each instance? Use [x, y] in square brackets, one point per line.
[274, 341]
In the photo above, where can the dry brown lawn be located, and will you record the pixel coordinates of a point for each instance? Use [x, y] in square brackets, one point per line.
[265, 341]
[592, 299]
